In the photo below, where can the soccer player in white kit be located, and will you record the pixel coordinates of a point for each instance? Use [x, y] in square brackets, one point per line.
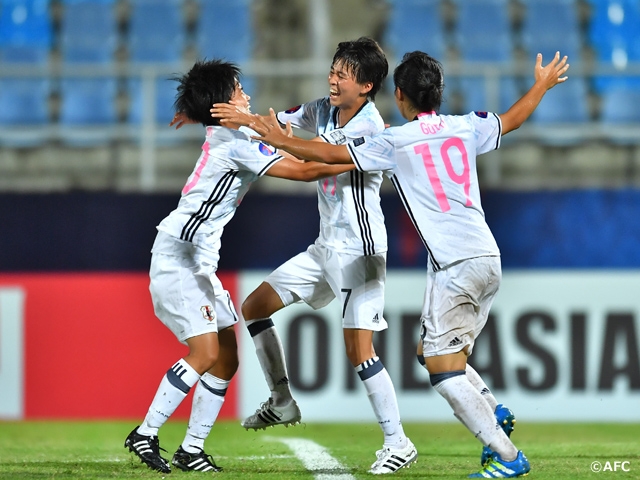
[187, 295]
[431, 161]
[347, 261]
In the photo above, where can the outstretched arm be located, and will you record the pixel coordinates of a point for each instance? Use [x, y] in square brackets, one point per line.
[546, 78]
[293, 169]
[271, 133]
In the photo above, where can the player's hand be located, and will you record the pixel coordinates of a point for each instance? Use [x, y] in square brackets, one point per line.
[288, 129]
[551, 74]
[180, 120]
[270, 130]
[230, 113]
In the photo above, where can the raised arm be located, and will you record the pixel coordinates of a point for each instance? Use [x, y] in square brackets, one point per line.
[546, 78]
[271, 133]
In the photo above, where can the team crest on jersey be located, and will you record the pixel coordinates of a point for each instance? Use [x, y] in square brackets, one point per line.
[481, 114]
[208, 313]
[266, 150]
[293, 109]
[338, 137]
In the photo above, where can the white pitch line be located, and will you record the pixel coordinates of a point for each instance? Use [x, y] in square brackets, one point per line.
[316, 459]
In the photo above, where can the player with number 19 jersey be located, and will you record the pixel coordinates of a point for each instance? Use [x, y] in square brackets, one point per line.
[431, 162]
[351, 218]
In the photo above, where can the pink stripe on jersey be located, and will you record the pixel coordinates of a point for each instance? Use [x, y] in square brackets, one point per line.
[196, 175]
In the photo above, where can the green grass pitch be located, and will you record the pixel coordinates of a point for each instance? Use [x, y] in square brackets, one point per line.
[94, 450]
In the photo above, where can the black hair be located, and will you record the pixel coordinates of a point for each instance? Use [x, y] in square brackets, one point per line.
[421, 79]
[366, 60]
[208, 82]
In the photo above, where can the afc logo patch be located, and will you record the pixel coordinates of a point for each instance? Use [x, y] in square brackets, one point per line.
[265, 149]
[293, 109]
[481, 114]
[208, 313]
[358, 141]
[338, 137]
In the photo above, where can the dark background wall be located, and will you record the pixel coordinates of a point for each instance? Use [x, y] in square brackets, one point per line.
[114, 232]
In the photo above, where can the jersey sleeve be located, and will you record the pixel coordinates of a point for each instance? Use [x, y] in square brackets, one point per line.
[254, 156]
[302, 116]
[487, 129]
[372, 154]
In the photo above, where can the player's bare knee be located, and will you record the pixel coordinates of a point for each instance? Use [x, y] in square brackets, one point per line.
[208, 359]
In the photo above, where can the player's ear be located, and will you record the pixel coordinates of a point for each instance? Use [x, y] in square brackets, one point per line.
[366, 88]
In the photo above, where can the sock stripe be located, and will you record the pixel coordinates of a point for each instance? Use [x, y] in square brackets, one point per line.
[259, 326]
[216, 391]
[369, 368]
[177, 382]
[436, 378]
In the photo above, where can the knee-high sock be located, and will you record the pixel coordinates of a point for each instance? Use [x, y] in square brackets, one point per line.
[207, 402]
[382, 396]
[175, 385]
[473, 411]
[478, 383]
[271, 356]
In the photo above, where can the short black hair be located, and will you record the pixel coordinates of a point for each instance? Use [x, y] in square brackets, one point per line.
[420, 77]
[208, 82]
[366, 60]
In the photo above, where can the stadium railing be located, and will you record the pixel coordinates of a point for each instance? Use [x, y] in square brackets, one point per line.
[146, 132]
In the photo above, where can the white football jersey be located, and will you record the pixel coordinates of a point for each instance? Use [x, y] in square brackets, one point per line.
[351, 218]
[431, 162]
[229, 163]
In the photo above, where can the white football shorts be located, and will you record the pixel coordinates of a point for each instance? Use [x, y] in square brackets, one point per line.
[319, 275]
[456, 305]
[188, 297]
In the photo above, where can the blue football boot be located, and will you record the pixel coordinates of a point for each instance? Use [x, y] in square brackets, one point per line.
[498, 468]
[507, 420]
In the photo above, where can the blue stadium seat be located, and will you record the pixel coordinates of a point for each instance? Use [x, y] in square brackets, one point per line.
[613, 34]
[550, 26]
[24, 101]
[224, 30]
[89, 31]
[475, 97]
[88, 110]
[620, 105]
[165, 93]
[483, 31]
[25, 31]
[24, 111]
[416, 25]
[156, 31]
[88, 101]
[564, 104]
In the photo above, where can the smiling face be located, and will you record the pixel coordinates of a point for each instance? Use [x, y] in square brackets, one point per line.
[344, 91]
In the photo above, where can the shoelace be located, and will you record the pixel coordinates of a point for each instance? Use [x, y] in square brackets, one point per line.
[264, 406]
[154, 444]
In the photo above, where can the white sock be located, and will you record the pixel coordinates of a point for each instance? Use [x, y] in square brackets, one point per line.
[207, 402]
[382, 397]
[271, 357]
[476, 380]
[175, 385]
[475, 413]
